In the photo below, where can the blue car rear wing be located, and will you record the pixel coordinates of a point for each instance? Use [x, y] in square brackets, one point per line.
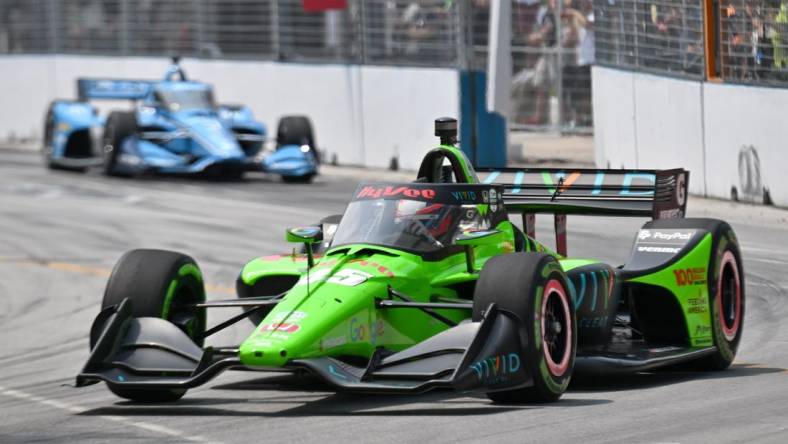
[113, 89]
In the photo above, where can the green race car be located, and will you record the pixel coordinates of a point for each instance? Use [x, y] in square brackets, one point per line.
[429, 285]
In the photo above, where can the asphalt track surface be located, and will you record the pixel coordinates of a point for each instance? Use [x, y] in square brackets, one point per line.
[60, 234]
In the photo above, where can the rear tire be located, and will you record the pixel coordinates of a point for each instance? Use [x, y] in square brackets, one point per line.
[534, 287]
[306, 178]
[725, 287]
[726, 298]
[296, 130]
[119, 126]
[160, 284]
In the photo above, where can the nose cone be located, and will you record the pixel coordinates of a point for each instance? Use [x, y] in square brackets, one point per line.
[210, 134]
[274, 341]
[326, 320]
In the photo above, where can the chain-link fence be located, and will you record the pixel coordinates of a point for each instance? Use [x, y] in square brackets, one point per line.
[552, 43]
[426, 32]
[753, 41]
[552, 54]
[661, 36]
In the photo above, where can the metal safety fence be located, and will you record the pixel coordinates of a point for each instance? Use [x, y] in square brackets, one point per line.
[552, 54]
[374, 31]
[753, 42]
[552, 46]
[747, 39]
[662, 36]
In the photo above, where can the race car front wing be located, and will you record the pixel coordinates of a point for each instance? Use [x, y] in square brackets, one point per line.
[152, 353]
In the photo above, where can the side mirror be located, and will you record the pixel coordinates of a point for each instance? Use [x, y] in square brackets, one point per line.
[476, 238]
[307, 236]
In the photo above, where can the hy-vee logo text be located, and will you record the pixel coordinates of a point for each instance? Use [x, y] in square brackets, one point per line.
[377, 192]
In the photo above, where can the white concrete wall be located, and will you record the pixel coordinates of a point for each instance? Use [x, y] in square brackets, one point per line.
[730, 137]
[746, 142]
[362, 114]
[614, 118]
[650, 122]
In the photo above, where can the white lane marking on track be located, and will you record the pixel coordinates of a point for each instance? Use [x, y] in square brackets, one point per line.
[294, 210]
[769, 285]
[79, 409]
[766, 261]
[772, 251]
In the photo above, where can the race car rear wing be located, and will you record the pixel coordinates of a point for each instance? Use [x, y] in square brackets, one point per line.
[658, 194]
[113, 89]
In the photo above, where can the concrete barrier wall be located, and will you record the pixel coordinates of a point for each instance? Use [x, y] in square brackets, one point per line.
[363, 115]
[746, 142]
[730, 137]
[614, 119]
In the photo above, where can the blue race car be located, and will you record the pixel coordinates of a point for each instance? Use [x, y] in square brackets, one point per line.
[175, 127]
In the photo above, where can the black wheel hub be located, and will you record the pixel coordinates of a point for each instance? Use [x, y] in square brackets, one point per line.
[555, 327]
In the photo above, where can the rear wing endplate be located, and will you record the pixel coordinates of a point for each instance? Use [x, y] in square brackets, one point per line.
[113, 89]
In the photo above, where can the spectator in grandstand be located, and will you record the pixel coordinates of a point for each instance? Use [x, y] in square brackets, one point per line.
[5, 43]
[424, 32]
[577, 70]
[663, 37]
[92, 24]
[531, 84]
[15, 30]
[762, 46]
[526, 61]
[780, 41]
[748, 49]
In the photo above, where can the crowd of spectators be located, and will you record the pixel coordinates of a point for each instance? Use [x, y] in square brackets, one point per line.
[754, 40]
[553, 50]
[659, 35]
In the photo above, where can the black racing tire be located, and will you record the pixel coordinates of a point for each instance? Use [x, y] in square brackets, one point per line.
[120, 125]
[159, 283]
[533, 287]
[306, 178]
[725, 286]
[296, 130]
[725, 281]
[47, 145]
[49, 132]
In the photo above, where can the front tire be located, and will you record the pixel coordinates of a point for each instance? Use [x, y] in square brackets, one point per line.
[120, 125]
[48, 147]
[533, 287]
[160, 284]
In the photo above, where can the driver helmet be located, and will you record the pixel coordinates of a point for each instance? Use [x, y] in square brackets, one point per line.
[439, 220]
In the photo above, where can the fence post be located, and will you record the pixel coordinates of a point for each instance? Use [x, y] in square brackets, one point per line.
[362, 40]
[200, 34]
[55, 18]
[274, 24]
[559, 29]
[124, 27]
